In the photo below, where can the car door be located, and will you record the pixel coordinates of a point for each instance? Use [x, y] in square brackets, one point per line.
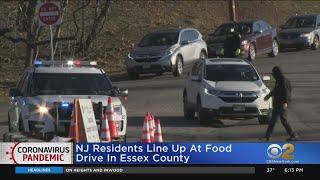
[21, 100]
[186, 47]
[258, 37]
[15, 102]
[196, 46]
[194, 83]
[318, 26]
[266, 35]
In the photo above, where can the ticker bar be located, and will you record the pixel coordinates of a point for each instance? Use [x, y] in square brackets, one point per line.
[159, 170]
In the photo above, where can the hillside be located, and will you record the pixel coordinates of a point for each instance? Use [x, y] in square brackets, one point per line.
[128, 21]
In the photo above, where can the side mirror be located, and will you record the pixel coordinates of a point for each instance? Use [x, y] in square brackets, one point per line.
[121, 91]
[13, 92]
[195, 78]
[185, 42]
[124, 92]
[266, 78]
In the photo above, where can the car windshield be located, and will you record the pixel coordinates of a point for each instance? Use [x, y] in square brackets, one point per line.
[242, 28]
[300, 22]
[70, 84]
[159, 39]
[231, 73]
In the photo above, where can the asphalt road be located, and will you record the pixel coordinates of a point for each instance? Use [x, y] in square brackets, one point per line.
[162, 96]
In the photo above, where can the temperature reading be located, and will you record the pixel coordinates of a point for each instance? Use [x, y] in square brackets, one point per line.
[269, 170]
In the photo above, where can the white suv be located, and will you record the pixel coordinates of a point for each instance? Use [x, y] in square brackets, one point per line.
[43, 99]
[225, 87]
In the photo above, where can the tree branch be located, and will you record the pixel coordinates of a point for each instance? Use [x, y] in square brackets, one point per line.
[94, 27]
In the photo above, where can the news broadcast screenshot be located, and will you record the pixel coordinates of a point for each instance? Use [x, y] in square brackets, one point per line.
[157, 87]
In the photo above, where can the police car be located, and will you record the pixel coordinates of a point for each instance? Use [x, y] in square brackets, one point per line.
[42, 101]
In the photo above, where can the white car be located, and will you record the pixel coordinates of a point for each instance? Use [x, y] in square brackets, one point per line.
[166, 51]
[43, 99]
[225, 87]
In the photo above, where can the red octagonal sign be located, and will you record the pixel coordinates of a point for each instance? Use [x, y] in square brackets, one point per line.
[49, 13]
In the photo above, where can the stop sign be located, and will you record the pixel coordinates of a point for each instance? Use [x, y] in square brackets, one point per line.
[49, 13]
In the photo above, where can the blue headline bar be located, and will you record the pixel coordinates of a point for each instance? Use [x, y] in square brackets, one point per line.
[197, 153]
[39, 170]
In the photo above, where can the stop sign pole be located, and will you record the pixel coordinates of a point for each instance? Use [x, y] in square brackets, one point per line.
[49, 14]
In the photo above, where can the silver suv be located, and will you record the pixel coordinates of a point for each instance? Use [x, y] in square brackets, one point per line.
[167, 50]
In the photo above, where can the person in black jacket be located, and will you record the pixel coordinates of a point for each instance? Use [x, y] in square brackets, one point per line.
[232, 43]
[281, 97]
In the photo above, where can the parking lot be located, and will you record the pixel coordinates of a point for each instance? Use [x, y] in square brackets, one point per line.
[162, 96]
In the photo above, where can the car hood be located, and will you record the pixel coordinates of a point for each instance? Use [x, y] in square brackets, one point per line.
[50, 99]
[149, 51]
[235, 85]
[296, 30]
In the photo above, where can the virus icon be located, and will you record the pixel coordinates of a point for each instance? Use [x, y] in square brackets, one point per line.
[11, 153]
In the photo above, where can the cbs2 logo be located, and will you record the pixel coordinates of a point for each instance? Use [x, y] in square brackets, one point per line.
[275, 151]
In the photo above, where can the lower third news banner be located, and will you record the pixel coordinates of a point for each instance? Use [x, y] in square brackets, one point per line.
[155, 157]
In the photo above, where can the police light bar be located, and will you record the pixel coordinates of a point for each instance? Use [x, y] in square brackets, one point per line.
[68, 63]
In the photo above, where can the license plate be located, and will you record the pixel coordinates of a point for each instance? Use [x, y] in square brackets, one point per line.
[239, 108]
[146, 65]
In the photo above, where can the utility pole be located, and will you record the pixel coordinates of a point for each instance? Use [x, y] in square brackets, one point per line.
[232, 10]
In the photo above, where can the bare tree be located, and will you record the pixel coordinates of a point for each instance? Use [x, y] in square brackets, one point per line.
[32, 35]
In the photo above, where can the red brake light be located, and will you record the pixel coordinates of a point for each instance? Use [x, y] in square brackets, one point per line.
[77, 62]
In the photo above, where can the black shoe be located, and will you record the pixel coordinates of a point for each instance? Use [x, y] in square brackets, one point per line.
[264, 139]
[293, 138]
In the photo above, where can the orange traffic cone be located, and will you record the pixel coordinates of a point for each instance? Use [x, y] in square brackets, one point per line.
[158, 134]
[104, 130]
[151, 125]
[145, 138]
[74, 126]
[111, 119]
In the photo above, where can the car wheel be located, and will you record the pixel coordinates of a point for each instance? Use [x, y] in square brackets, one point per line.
[203, 55]
[252, 53]
[275, 49]
[315, 44]
[133, 75]
[187, 111]
[203, 115]
[179, 67]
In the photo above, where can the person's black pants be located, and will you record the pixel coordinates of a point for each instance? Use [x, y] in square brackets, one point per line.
[282, 114]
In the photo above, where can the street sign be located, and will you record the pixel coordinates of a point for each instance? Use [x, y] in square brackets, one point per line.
[49, 13]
